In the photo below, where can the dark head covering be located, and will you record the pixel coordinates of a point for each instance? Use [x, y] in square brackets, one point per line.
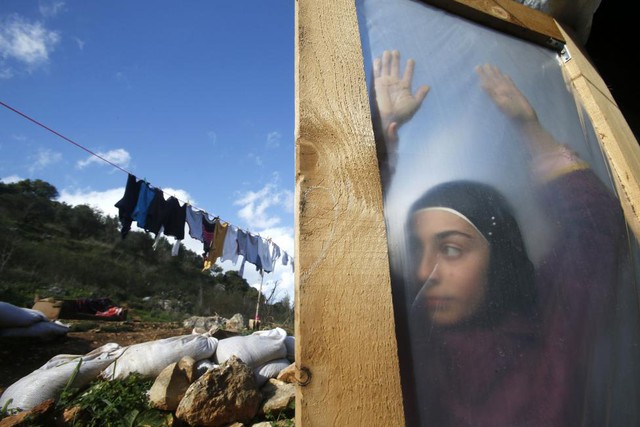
[511, 273]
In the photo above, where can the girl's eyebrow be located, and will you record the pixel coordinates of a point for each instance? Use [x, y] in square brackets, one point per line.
[448, 233]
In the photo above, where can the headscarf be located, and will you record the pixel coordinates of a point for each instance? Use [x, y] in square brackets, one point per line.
[511, 272]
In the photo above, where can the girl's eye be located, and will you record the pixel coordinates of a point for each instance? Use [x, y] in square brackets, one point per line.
[451, 251]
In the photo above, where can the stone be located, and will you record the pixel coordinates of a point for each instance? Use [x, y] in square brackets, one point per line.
[171, 385]
[223, 395]
[277, 395]
[40, 415]
[288, 374]
[236, 323]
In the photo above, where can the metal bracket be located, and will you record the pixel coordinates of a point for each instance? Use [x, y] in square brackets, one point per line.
[565, 55]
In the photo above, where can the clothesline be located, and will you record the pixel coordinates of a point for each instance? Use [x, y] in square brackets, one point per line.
[147, 206]
[172, 200]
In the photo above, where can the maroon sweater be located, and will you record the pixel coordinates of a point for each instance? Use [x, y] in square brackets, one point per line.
[543, 371]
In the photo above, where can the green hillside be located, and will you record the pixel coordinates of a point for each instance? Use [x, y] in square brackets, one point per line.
[51, 249]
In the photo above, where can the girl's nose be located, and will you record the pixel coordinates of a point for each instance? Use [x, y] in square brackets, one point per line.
[427, 268]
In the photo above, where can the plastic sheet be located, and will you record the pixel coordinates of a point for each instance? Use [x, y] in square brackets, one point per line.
[514, 288]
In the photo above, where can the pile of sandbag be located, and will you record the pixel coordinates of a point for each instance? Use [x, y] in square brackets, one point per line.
[266, 352]
[150, 358]
[48, 381]
[26, 322]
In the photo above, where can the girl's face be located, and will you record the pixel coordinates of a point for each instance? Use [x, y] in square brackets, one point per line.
[453, 267]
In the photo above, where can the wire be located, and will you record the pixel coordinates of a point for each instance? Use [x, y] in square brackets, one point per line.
[97, 155]
[63, 137]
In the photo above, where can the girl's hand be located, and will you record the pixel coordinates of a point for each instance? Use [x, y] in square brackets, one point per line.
[505, 94]
[396, 103]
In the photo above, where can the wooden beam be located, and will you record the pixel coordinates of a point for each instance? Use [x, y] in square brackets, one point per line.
[614, 134]
[508, 17]
[346, 350]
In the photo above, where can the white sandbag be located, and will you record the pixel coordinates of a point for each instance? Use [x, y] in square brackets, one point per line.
[12, 316]
[44, 329]
[255, 349]
[204, 365]
[290, 344]
[48, 381]
[150, 358]
[270, 370]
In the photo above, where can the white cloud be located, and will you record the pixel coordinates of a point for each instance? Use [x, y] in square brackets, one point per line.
[255, 205]
[256, 159]
[103, 201]
[19, 137]
[25, 42]
[120, 157]
[6, 73]
[43, 159]
[213, 137]
[11, 179]
[273, 139]
[80, 43]
[51, 9]
[122, 77]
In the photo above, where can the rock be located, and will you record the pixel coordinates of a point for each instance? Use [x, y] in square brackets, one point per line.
[288, 374]
[72, 416]
[223, 395]
[203, 322]
[277, 395]
[41, 415]
[236, 323]
[188, 365]
[172, 383]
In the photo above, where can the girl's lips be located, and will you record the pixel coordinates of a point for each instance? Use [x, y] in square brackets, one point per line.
[435, 302]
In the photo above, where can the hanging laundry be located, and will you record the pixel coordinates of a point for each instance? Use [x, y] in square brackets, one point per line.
[242, 239]
[217, 244]
[253, 255]
[156, 212]
[156, 241]
[175, 249]
[264, 254]
[275, 254]
[208, 228]
[145, 197]
[194, 221]
[230, 246]
[175, 218]
[127, 204]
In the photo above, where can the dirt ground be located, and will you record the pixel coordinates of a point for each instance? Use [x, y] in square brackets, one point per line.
[21, 356]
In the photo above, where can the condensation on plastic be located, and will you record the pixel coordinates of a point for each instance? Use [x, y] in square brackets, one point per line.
[460, 134]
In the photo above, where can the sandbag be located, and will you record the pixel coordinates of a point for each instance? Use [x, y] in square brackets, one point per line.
[150, 358]
[44, 329]
[48, 381]
[12, 316]
[290, 344]
[255, 349]
[269, 370]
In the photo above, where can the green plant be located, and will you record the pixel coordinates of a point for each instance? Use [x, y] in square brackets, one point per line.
[284, 418]
[5, 412]
[116, 403]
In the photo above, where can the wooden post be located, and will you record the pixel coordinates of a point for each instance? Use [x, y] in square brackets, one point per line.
[346, 351]
[616, 138]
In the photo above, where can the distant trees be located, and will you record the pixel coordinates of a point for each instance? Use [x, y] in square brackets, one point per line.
[48, 247]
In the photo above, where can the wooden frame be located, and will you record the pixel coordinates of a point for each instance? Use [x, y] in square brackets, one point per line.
[346, 351]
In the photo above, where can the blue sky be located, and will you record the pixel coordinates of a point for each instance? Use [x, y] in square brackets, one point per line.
[196, 97]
